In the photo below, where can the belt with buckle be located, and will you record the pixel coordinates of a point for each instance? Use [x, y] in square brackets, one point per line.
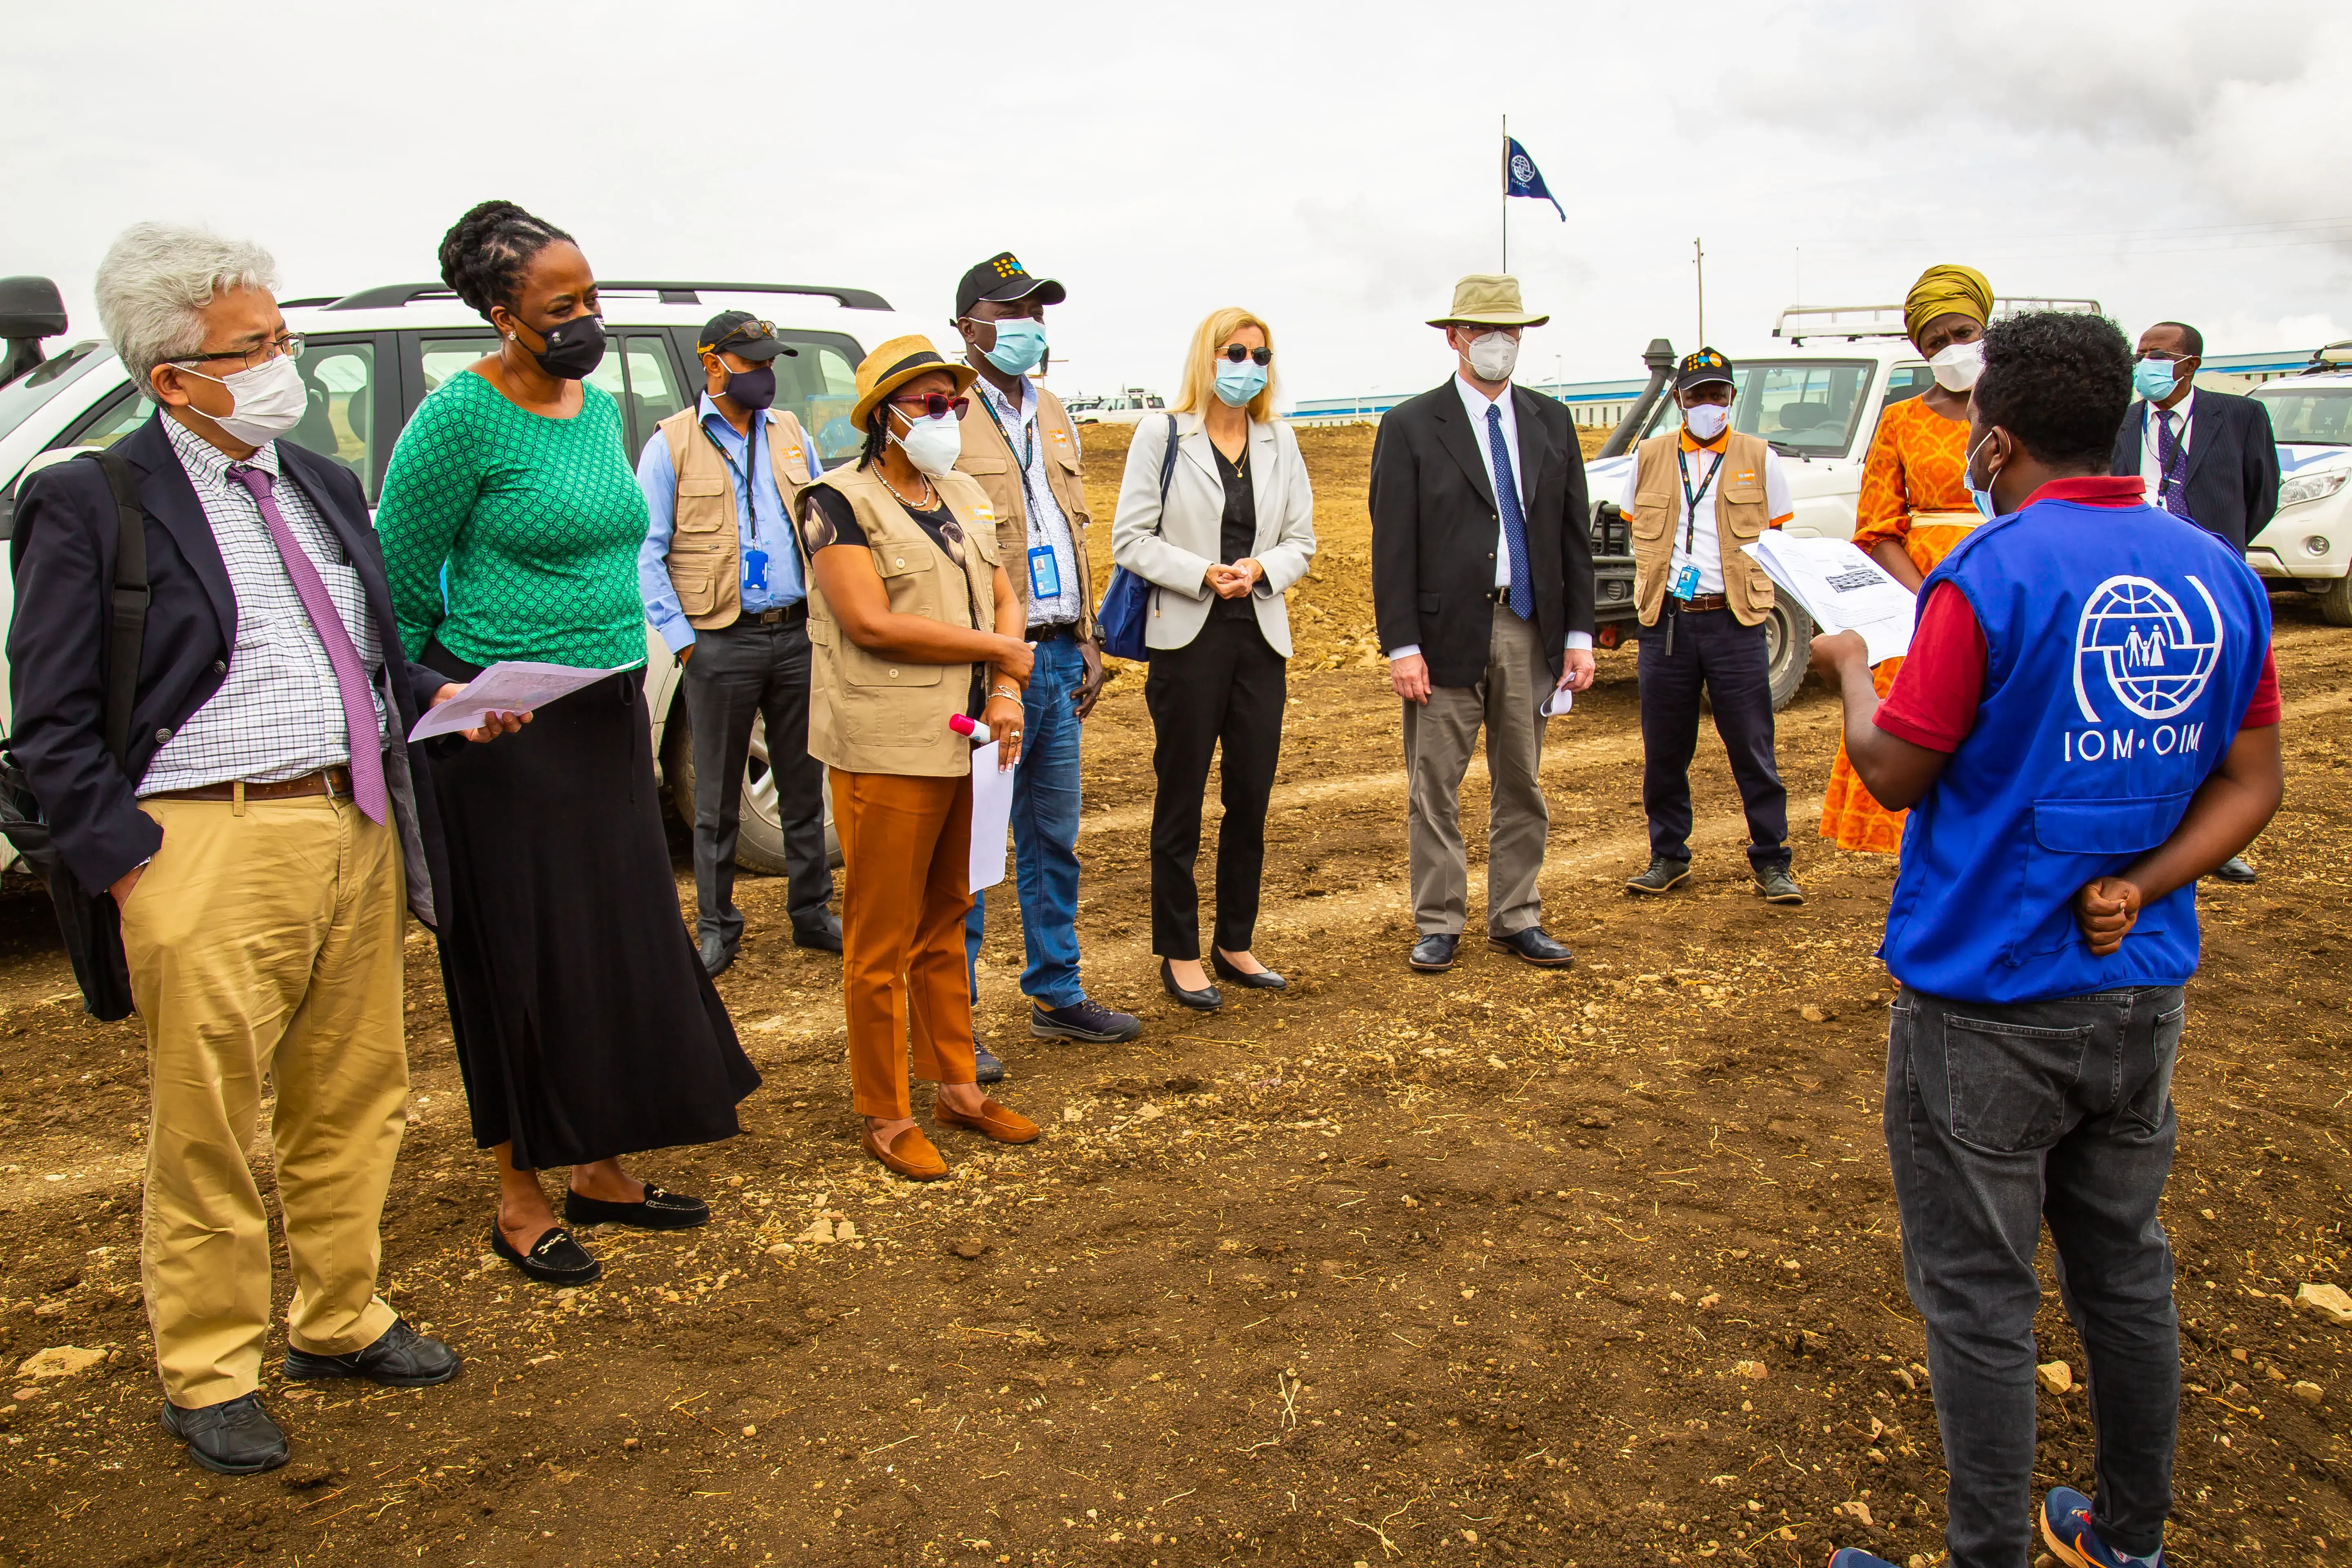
[1700, 604]
[335, 784]
[790, 615]
[1050, 633]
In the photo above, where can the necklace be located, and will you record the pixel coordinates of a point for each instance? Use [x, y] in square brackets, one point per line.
[931, 496]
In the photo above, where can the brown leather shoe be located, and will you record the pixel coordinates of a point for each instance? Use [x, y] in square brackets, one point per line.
[911, 1154]
[994, 1120]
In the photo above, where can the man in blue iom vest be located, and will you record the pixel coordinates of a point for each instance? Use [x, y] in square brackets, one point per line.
[2087, 723]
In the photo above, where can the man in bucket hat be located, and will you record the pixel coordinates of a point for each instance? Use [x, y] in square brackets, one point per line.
[1482, 587]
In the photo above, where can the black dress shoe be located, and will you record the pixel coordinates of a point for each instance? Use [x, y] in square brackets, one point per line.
[717, 956]
[399, 1358]
[238, 1438]
[1264, 980]
[1435, 954]
[1536, 948]
[1207, 999]
[824, 936]
[658, 1210]
[553, 1259]
[2234, 870]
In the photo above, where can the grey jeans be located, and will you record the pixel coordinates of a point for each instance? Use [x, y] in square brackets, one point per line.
[1439, 736]
[740, 673]
[1999, 1119]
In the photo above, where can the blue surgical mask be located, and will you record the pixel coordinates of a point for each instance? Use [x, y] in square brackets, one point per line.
[1020, 346]
[1237, 383]
[2153, 378]
[1983, 498]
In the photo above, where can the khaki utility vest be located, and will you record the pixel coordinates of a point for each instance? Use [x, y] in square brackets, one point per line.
[874, 713]
[1741, 516]
[706, 545]
[988, 458]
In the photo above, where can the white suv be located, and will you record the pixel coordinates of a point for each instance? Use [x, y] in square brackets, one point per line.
[370, 358]
[2308, 542]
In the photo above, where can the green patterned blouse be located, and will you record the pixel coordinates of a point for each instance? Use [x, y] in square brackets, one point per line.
[537, 521]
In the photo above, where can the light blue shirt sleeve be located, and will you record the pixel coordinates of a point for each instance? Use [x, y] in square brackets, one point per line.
[658, 480]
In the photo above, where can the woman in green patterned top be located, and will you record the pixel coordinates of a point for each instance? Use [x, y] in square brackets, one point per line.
[585, 1025]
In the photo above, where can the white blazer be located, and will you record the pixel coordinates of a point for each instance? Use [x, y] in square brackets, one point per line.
[1192, 530]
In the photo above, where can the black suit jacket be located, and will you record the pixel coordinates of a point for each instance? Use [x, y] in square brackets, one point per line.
[1435, 531]
[2234, 473]
[63, 551]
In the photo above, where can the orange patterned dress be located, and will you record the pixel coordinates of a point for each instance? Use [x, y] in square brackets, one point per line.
[1913, 489]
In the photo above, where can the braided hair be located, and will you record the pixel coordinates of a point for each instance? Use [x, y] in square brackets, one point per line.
[485, 253]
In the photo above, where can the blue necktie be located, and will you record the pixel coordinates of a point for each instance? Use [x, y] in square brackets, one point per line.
[2169, 494]
[1515, 523]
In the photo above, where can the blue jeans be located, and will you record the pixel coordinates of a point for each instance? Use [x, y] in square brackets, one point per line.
[1044, 834]
[1999, 1119]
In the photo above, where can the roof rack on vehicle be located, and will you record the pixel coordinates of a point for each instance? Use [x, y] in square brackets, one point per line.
[389, 296]
[1853, 322]
[2329, 357]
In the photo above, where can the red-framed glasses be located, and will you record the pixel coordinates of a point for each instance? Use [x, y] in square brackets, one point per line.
[933, 403]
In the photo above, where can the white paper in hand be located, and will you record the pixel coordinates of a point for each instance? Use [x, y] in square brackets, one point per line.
[510, 686]
[1842, 589]
[991, 816]
[1561, 701]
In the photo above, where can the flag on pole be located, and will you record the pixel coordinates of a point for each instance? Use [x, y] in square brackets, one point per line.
[1522, 178]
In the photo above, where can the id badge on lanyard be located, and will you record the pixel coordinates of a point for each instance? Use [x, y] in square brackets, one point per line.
[1686, 581]
[1045, 575]
[755, 569]
[1686, 584]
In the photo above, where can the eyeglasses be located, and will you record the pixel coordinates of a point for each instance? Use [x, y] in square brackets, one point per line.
[286, 343]
[1236, 354]
[743, 332]
[934, 404]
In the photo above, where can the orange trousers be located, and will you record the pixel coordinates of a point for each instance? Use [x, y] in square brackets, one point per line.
[906, 854]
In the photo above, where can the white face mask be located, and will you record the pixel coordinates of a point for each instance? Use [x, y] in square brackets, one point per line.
[932, 445]
[1493, 355]
[1957, 367]
[1706, 421]
[267, 401]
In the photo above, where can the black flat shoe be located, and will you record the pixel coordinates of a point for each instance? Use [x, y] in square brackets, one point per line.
[823, 937]
[235, 1438]
[1205, 1000]
[399, 1358]
[1264, 980]
[1435, 954]
[1533, 946]
[553, 1259]
[658, 1211]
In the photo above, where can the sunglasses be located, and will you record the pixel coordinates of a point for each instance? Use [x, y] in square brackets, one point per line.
[1236, 354]
[934, 404]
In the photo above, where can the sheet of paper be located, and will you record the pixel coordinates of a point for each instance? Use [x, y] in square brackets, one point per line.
[510, 686]
[991, 816]
[1841, 588]
[1561, 701]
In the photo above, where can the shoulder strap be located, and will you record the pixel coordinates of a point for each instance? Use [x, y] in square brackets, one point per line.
[1167, 471]
[130, 604]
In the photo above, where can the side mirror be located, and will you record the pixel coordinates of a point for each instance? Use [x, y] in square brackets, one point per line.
[31, 309]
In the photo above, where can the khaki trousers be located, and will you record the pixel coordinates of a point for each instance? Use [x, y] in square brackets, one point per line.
[265, 942]
[905, 856]
[1439, 737]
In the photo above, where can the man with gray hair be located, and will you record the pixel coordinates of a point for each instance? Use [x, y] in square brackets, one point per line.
[260, 830]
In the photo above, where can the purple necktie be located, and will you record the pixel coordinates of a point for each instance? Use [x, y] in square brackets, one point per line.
[2168, 488]
[359, 703]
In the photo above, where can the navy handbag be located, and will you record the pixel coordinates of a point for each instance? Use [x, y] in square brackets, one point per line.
[1126, 601]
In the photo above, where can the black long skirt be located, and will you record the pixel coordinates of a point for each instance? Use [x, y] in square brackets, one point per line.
[585, 1025]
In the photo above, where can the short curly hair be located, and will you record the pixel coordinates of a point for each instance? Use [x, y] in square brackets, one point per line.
[486, 253]
[2058, 381]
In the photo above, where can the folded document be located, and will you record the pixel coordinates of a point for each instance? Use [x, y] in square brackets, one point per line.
[1842, 589]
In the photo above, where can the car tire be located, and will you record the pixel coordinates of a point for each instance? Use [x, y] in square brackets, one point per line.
[2335, 604]
[1788, 651]
[760, 838]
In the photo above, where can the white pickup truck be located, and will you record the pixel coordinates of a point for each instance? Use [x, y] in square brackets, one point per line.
[2308, 542]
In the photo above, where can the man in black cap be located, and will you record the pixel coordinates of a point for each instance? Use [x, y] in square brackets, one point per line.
[1022, 447]
[720, 568]
[1695, 496]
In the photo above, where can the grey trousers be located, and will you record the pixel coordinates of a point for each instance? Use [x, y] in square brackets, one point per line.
[1439, 737]
[740, 673]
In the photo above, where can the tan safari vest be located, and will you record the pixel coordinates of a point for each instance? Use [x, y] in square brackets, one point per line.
[1741, 516]
[869, 713]
[988, 458]
[706, 546]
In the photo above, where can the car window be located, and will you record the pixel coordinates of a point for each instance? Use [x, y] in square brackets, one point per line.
[1808, 407]
[444, 357]
[46, 379]
[819, 384]
[112, 420]
[2313, 417]
[652, 391]
[1907, 381]
[339, 387]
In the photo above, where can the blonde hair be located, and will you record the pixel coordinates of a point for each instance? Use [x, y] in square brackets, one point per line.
[1200, 364]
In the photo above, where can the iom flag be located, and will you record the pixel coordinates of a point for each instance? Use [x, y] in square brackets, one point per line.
[1522, 178]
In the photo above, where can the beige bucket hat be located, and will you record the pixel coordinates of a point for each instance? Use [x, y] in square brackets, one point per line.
[1488, 299]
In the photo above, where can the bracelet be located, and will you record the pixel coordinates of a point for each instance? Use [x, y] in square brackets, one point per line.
[1004, 691]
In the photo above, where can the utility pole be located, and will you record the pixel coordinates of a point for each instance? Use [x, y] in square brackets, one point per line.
[1698, 259]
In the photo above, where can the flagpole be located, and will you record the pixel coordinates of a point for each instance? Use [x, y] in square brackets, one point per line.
[1507, 193]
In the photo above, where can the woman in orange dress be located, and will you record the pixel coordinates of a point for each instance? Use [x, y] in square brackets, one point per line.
[1913, 505]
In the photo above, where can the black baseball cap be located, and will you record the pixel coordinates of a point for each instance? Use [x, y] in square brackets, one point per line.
[1700, 368]
[740, 333]
[1001, 277]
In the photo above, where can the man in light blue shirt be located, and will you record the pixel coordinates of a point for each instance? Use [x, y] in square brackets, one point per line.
[723, 584]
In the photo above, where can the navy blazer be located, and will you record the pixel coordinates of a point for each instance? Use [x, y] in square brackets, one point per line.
[2234, 473]
[62, 552]
[1435, 531]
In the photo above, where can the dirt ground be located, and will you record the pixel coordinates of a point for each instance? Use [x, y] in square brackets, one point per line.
[1594, 1267]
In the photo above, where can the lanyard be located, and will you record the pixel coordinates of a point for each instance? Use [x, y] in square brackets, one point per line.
[743, 475]
[1690, 498]
[2166, 479]
[1028, 496]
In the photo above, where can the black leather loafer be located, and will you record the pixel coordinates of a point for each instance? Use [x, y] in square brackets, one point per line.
[823, 937]
[1536, 948]
[553, 1259]
[1207, 999]
[2234, 870]
[718, 958]
[399, 1358]
[658, 1210]
[1264, 980]
[1435, 954]
[236, 1438]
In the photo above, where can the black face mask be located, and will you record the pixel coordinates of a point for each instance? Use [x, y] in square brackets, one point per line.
[574, 348]
[753, 388]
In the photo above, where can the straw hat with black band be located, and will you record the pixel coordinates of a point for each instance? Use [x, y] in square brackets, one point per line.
[894, 364]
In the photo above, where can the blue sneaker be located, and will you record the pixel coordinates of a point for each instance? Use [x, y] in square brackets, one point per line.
[1855, 1557]
[991, 1069]
[2066, 1527]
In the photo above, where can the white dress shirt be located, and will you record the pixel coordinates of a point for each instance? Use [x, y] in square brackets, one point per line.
[1047, 525]
[2151, 472]
[1697, 462]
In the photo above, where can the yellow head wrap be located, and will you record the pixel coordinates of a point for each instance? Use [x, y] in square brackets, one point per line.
[1946, 290]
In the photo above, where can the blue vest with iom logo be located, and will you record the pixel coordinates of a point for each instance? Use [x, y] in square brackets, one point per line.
[2122, 647]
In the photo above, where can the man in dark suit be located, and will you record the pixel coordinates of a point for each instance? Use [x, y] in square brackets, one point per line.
[1482, 586]
[2205, 456]
[260, 834]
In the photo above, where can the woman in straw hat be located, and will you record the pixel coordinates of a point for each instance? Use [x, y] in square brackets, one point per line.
[1915, 504]
[912, 624]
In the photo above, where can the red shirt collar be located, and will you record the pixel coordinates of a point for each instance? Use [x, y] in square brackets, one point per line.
[2093, 490]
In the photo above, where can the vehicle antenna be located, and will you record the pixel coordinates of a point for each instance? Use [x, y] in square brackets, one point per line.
[1698, 259]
